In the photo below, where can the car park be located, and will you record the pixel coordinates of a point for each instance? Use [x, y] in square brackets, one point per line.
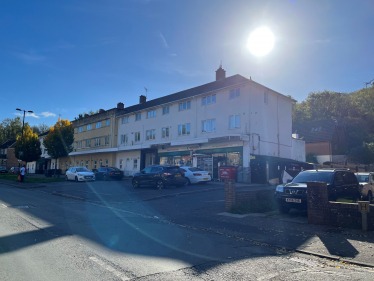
[195, 175]
[3, 169]
[107, 173]
[14, 170]
[79, 174]
[159, 176]
[340, 183]
[366, 181]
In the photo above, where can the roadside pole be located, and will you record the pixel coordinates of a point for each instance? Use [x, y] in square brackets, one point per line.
[364, 208]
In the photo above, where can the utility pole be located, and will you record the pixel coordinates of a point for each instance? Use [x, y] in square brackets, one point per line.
[23, 125]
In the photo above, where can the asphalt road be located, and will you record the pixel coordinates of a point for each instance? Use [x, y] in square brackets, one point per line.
[119, 233]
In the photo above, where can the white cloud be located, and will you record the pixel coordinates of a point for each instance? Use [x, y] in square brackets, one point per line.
[27, 115]
[163, 40]
[30, 58]
[47, 114]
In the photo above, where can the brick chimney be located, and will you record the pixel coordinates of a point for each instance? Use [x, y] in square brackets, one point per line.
[220, 73]
[101, 110]
[142, 99]
[120, 105]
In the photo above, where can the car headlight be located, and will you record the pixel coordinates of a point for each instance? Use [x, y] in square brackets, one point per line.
[279, 188]
[79, 174]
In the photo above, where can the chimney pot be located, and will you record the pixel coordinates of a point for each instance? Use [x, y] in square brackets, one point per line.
[142, 99]
[120, 105]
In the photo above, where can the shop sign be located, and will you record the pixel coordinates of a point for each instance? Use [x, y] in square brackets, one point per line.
[253, 157]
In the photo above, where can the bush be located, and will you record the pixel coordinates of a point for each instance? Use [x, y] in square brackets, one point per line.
[258, 204]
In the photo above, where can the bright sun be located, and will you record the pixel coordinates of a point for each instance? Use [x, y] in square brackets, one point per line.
[261, 41]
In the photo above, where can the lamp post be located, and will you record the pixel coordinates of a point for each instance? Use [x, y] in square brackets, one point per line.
[23, 125]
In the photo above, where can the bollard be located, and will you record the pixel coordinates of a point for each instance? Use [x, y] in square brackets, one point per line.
[364, 208]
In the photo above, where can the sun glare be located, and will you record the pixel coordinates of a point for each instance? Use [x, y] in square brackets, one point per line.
[261, 41]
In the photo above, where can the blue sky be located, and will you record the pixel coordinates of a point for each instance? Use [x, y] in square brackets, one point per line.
[67, 57]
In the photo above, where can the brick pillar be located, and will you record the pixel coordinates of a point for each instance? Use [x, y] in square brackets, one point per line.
[317, 197]
[229, 194]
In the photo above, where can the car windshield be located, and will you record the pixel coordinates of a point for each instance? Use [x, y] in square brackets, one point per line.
[304, 177]
[82, 169]
[363, 178]
[194, 169]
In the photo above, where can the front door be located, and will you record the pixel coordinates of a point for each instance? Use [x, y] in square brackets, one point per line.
[150, 159]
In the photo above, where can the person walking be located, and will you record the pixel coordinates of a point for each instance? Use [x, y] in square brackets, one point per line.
[22, 171]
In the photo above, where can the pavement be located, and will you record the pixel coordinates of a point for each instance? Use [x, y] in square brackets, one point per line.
[109, 231]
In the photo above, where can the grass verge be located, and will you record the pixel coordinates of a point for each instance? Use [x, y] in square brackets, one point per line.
[262, 203]
[30, 179]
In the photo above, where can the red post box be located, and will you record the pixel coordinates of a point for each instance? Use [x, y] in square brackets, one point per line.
[227, 173]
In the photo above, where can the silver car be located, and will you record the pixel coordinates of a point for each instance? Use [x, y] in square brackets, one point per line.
[366, 181]
[79, 174]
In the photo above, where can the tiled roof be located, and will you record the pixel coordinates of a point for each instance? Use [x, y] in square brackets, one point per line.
[206, 88]
[315, 131]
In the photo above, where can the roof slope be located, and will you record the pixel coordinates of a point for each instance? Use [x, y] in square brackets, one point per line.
[315, 131]
[7, 143]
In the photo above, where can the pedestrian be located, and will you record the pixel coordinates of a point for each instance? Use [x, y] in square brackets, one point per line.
[22, 171]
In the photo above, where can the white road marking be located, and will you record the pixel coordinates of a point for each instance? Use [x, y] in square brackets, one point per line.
[110, 268]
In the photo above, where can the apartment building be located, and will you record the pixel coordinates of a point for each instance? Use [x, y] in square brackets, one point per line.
[95, 141]
[231, 121]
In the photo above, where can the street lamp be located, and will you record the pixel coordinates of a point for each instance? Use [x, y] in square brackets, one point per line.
[23, 125]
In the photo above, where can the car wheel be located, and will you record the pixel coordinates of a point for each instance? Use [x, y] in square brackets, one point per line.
[159, 184]
[76, 179]
[135, 184]
[283, 209]
[187, 182]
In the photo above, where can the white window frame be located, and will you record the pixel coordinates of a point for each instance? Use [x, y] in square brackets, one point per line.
[97, 142]
[86, 164]
[79, 144]
[165, 110]
[121, 164]
[208, 125]
[98, 125]
[138, 117]
[185, 105]
[106, 141]
[180, 129]
[150, 134]
[80, 129]
[89, 127]
[137, 136]
[135, 164]
[88, 142]
[209, 99]
[101, 163]
[125, 138]
[106, 163]
[235, 121]
[95, 164]
[151, 114]
[125, 120]
[165, 132]
[234, 93]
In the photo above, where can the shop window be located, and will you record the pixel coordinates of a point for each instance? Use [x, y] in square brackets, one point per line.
[135, 164]
[124, 138]
[165, 132]
[151, 114]
[125, 120]
[107, 140]
[184, 105]
[137, 136]
[165, 110]
[89, 127]
[150, 134]
[184, 130]
[209, 99]
[138, 117]
[234, 121]
[208, 125]
[234, 93]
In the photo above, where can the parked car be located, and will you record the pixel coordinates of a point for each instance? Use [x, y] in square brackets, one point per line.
[106, 173]
[159, 176]
[14, 170]
[366, 181]
[195, 175]
[79, 174]
[3, 169]
[340, 183]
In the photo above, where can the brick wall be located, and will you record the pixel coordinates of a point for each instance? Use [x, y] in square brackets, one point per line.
[247, 195]
[229, 194]
[12, 160]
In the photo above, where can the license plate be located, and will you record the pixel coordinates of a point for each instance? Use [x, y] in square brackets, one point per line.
[293, 200]
[206, 179]
[177, 175]
[118, 173]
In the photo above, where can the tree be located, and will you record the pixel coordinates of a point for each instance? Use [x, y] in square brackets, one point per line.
[362, 154]
[10, 128]
[29, 146]
[81, 115]
[60, 139]
[311, 158]
[40, 128]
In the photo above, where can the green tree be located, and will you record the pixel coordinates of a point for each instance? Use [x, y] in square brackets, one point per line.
[363, 154]
[311, 158]
[29, 145]
[60, 139]
[81, 115]
[10, 128]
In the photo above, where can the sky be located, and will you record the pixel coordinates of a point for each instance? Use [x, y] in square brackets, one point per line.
[69, 57]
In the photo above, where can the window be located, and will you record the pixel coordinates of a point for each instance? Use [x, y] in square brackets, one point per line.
[98, 125]
[184, 105]
[234, 93]
[69, 164]
[2, 152]
[81, 163]
[151, 114]
[234, 121]
[209, 100]
[106, 162]
[88, 143]
[150, 134]
[135, 164]
[266, 98]
[184, 129]
[165, 132]
[137, 136]
[80, 129]
[138, 117]
[107, 122]
[165, 110]
[5, 151]
[79, 144]
[89, 127]
[97, 142]
[107, 140]
[125, 120]
[77, 163]
[208, 125]
[101, 163]
[95, 164]
[120, 164]
[86, 164]
[124, 138]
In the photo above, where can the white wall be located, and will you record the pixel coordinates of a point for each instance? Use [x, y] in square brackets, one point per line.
[128, 158]
[298, 150]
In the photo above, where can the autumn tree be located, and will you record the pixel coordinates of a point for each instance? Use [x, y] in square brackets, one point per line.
[10, 128]
[60, 139]
[29, 145]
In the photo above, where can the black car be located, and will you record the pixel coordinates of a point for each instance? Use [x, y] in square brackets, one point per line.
[3, 169]
[106, 173]
[159, 176]
[340, 183]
